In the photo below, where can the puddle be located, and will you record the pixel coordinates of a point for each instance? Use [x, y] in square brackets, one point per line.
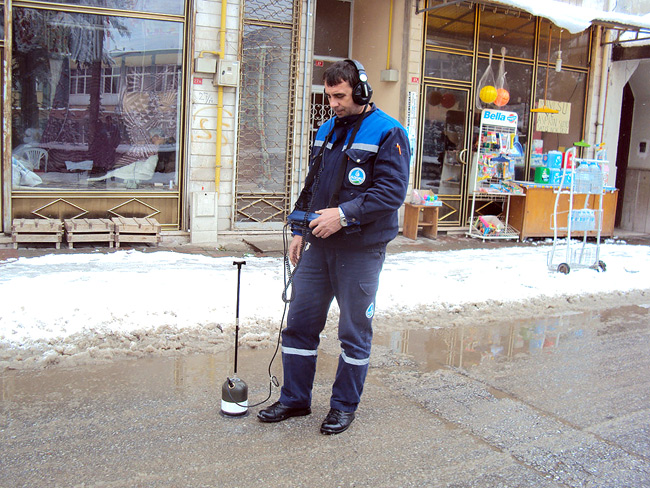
[465, 346]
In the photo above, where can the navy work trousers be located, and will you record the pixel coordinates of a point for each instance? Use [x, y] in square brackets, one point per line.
[352, 277]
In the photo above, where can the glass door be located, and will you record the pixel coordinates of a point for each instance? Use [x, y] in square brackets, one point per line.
[443, 165]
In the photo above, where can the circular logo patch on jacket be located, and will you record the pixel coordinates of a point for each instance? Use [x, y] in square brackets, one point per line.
[357, 176]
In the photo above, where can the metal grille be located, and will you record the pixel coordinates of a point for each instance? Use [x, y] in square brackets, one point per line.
[267, 111]
[319, 113]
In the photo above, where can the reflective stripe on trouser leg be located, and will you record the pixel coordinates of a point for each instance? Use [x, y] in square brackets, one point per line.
[355, 283]
[305, 321]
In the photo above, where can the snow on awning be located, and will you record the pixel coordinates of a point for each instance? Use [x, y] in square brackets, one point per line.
[573, 18]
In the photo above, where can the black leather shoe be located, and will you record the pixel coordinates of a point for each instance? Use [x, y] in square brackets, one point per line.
[336, 422]
[279, 412]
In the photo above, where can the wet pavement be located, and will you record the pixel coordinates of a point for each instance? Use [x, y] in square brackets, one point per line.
[560, 401]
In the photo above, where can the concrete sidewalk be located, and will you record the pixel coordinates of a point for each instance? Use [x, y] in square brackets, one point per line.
[574, 414]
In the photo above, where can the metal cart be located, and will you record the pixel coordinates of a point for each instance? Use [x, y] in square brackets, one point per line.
[585, 182]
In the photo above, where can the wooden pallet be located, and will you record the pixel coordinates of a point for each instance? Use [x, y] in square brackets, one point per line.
[89, 230]
[37, 230]
[144, 230]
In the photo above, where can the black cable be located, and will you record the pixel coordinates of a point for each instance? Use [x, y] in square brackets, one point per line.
[273, 381]
[288, 272]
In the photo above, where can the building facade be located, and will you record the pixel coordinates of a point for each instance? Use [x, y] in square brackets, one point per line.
[200, 113]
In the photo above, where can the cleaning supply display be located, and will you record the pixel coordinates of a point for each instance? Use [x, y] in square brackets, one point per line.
[493, 173]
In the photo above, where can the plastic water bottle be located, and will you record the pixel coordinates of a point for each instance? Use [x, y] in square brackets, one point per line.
[582, 179]
[595, 178]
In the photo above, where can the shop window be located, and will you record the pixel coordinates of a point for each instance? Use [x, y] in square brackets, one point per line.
[566, 93]
[451, 26]
[447, 66]
[574, 47]
[516, 30]
[269, 10]
[264, 115]
[96, 98]
[172, 7]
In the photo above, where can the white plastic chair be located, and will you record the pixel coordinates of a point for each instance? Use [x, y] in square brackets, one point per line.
[32, 157]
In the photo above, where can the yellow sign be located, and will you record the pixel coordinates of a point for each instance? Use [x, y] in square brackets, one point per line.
[559, 122]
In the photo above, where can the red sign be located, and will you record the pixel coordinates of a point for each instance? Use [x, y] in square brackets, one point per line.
[415, 79]
[318, 63]
[197, 81]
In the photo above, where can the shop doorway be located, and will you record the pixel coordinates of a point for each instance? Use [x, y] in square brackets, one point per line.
[445, 149]
[623, 152]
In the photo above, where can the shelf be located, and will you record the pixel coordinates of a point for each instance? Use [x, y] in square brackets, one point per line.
[508, 233]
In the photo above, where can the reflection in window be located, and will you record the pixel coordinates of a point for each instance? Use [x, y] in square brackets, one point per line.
[514, 30]
[443, 139]
[451, 26]
[567, 88]
[174, 7]
[95, 101]
[448, 66]
[574, 47]
[265, 109]
[269, 10]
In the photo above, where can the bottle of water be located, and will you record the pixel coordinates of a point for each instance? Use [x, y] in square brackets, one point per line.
[582, 179]
[595, 178]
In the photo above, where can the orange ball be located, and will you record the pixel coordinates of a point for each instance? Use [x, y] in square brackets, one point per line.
[503, 97]
[488, 94]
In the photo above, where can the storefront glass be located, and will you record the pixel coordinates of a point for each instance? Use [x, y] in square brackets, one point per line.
[96, 102]
[574, 47]
[516, 31]
[275, 11]
[443, 140]
[447, 66]
[154, 6]
[451, 26]
[566, 93]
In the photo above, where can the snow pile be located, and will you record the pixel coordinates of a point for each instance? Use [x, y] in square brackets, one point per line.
[134, 301]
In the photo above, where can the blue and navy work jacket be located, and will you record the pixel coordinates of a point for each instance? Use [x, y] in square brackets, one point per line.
[374, 181]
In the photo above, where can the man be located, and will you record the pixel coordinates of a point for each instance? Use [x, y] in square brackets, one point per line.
[357, 182]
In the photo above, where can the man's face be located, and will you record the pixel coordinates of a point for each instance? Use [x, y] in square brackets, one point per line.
[340, 99]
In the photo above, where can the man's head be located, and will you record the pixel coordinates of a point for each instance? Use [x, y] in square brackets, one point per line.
[346, 92]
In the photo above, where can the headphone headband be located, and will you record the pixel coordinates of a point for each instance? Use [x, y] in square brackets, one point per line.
[362, 91]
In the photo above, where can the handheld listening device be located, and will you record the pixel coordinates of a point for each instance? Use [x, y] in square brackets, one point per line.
[301, 218]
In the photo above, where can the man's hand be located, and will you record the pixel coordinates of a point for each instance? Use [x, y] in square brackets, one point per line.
[295, 247]
[327, 224]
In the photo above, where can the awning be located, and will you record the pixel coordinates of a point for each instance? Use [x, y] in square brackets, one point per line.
[570, 17]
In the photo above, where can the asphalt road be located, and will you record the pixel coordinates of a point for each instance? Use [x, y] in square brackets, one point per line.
[556, 402]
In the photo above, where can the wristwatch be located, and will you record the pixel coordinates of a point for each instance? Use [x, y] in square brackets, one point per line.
[344, 221]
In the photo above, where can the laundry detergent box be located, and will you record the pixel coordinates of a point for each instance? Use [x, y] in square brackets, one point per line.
[542, 174]
[552, 159]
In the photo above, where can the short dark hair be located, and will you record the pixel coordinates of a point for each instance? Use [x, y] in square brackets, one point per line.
[341, 71]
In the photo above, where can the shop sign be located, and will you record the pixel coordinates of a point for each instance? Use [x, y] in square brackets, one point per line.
[559, 122]
[499, 118]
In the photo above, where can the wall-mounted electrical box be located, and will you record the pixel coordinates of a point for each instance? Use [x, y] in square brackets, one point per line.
[227, 73]
[205, 65]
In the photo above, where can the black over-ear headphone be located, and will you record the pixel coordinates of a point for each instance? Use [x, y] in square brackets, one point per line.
[362, 91]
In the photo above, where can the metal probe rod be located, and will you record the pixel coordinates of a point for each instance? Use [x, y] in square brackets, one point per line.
[239, 263]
